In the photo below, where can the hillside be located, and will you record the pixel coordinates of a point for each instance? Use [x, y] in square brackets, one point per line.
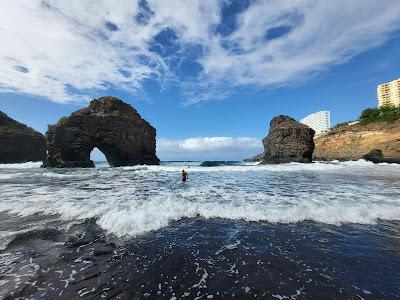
[19, 143]
[351, 142]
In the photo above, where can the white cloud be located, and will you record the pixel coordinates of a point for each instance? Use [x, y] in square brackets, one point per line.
[209, 148]
[202, 148]
[72, 50]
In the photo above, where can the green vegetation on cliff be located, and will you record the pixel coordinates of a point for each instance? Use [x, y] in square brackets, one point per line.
[8, 124]
[383, 114]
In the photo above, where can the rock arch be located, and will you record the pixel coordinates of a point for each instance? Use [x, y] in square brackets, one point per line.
[109, 124]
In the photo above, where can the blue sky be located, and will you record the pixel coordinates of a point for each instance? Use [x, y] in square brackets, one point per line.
[208, 75]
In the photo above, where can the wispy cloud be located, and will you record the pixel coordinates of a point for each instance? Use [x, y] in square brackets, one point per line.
[72, 50]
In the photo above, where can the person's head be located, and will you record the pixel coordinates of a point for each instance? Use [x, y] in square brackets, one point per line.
[183, 171]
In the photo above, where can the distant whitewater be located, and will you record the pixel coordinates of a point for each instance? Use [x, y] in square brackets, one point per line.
[131, 205]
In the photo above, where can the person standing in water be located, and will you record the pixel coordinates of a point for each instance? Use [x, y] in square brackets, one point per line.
[184, 176]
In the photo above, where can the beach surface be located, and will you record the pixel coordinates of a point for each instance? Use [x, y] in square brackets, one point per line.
[295, 231]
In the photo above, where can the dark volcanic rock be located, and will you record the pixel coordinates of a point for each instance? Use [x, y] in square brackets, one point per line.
[210, 163]
[288, 141]
[19, 143]
[217, 163]
[256, 158]
[109, 124]
[376, 156]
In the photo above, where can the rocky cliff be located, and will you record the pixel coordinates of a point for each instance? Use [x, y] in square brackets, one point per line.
[19, 143]
[109, 124]
[352, 142]
[288, 141]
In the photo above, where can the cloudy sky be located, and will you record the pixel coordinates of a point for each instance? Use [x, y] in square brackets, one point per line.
[208, 74]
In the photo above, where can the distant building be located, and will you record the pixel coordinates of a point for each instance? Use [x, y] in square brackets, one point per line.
[319, 121]
[389, 93]
[353, 123]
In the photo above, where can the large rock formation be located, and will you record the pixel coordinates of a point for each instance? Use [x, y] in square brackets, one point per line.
[288, 141]
[109, 124]
[351, 142]
[19, 143]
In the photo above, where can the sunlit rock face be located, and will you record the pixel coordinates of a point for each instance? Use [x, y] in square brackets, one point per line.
[288, 141]
[19, 143]
[109, 124]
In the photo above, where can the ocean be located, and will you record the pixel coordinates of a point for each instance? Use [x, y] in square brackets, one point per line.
[243, 231]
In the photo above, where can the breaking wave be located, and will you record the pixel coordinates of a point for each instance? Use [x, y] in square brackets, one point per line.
[129, 201]
[26, 165]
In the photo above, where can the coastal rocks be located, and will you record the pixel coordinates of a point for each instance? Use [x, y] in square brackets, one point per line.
[109, 124]
[288, 141]
[376, 156]
[256, 158]
[210, 163]
[217, 163]
[19, 143]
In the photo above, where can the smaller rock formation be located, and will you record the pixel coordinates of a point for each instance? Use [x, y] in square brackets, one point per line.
[210, 163]
[288, 141]
[109, 124]
[217, 163]
[256, 158]
[19, 143]
[376, 156]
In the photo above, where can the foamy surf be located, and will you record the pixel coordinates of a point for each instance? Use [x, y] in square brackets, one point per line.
[129, 201]
[26, 165]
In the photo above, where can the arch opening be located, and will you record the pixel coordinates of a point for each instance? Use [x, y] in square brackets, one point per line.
[98, 157]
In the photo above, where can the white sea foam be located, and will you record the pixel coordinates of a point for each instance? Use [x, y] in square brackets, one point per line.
[133, 200]
[26, 165]
[9, 176]
[290, 167]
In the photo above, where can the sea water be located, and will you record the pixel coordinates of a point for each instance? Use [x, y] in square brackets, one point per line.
[293, 231]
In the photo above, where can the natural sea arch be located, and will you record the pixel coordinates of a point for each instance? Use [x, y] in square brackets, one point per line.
[110, 125]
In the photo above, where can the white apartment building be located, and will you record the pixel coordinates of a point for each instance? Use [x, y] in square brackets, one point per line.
[389, 93]
[319, 121]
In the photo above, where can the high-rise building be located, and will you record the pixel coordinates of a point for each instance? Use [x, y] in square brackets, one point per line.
[319, 121]
[389, 93]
